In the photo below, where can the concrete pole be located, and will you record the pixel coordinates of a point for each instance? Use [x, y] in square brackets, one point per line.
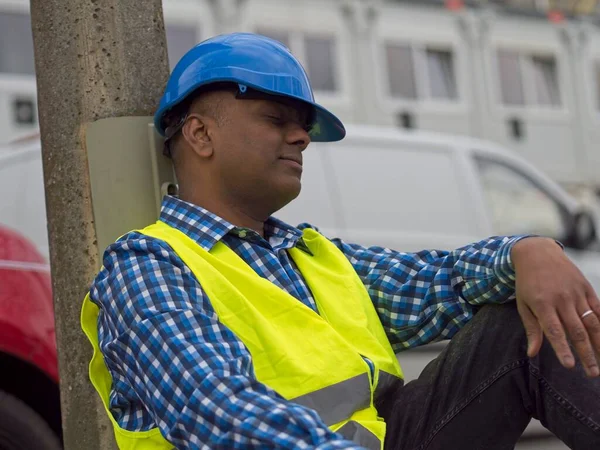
[94, 59]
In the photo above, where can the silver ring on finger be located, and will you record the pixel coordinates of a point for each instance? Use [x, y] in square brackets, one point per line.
[587, 313]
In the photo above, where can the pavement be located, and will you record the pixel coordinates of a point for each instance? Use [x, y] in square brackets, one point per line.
[541, 443]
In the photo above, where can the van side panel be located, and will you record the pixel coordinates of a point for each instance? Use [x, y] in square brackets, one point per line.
[406, 195]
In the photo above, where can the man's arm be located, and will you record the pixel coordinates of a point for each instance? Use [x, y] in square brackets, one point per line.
[428, 296]
[180, 368]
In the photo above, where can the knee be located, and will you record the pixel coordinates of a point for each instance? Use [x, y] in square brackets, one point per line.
[499, 320]
[505, 313]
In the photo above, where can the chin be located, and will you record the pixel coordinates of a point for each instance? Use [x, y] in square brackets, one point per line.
[286, 194]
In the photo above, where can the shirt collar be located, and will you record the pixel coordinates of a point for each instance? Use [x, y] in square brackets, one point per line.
[206, 228]
[199, 224]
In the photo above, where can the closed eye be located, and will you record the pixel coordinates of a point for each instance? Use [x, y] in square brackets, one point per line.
[280, 121]
[276, 119]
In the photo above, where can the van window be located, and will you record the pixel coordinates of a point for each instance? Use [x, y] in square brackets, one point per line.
[180, 39]
[516, 204]
[16, 47]
[400, 188]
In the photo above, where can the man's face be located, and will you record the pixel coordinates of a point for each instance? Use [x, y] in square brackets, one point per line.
[258, 150]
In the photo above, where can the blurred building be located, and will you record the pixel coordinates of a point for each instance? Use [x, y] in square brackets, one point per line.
[525, 73]
[577, 7]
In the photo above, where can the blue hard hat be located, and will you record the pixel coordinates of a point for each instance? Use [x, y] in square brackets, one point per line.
[251, 61]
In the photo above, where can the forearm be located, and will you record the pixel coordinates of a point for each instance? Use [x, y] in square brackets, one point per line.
[430, 295]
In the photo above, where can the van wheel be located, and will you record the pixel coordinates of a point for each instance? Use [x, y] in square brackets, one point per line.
[21, 428]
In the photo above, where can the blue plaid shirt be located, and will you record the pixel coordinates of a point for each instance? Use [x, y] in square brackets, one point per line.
[175, 366]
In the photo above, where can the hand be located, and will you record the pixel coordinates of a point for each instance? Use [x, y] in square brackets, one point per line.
[552, 295]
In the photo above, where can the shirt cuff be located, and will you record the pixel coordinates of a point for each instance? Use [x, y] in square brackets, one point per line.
[503, 266]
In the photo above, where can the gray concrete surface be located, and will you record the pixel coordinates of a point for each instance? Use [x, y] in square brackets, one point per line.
[94, 59]
[541, 443]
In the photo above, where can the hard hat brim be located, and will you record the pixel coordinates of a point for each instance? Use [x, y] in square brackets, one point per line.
[326, 127]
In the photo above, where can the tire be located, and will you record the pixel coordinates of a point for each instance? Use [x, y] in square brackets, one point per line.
[21, 428]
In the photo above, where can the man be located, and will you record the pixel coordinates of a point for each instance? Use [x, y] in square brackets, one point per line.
[222, 327]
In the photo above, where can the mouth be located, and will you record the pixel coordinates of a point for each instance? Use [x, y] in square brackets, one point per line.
[293, 160]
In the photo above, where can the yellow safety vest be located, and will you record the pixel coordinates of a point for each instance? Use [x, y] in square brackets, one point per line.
[315, 360]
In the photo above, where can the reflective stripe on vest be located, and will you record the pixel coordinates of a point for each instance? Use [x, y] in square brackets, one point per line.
[354, 431]
[323, 370]
[337, 402]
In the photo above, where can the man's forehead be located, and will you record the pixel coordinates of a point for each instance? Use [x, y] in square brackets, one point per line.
[299, 107]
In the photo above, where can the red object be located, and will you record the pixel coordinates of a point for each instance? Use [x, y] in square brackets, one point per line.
[26, 308]
[556, 16]
[454, 5]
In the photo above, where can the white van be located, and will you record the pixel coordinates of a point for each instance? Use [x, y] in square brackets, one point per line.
[415, 190]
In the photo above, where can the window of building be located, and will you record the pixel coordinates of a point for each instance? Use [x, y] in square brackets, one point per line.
[415, 72]
[320, 62]
[440, 68]
[511, 81]
[528, 79]
[401, 71]
[546, 80]
[180, 38]
[316, 52]
[16, 48]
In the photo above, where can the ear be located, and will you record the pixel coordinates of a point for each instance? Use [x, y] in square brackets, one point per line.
[197, 133]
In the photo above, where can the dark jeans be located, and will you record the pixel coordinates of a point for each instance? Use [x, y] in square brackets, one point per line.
[482, 391]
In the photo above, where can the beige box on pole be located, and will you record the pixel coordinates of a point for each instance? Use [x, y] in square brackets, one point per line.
[127, 195]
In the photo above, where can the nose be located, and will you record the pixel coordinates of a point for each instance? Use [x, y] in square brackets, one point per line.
[298, 136]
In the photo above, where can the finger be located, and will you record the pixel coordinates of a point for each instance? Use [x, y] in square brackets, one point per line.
[580, 339]
[593, 301]
[533, 329]
[592, 321]
[555, 332]
[592, 325]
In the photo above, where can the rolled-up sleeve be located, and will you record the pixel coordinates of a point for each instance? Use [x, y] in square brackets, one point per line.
[428, 296]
